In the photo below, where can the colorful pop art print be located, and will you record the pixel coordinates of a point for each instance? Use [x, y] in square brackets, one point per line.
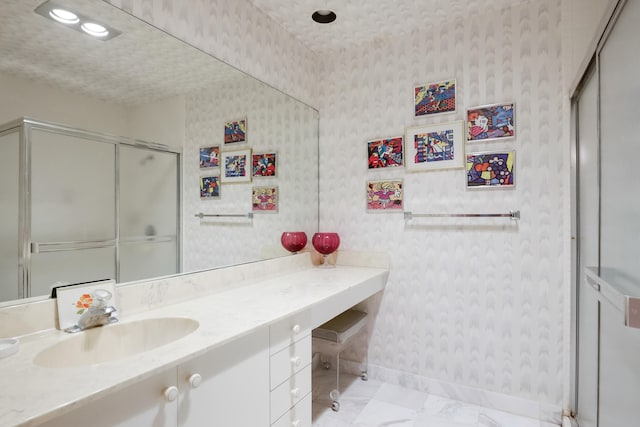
[491, 170]
[435, 98]
[434, 147]
[491, 122]
[235, 131]
[236, 166]
[265, 199]
[210, 187]
[385, 195]
[209, 157]
[264, 164]
[385, 153]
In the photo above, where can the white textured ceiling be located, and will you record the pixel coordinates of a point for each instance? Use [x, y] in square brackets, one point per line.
[144, 64]
[362, 21]
[141, 65]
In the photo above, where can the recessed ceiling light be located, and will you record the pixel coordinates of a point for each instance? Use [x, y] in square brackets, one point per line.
[94, 29]
[76, 20]
[324, 16]
[64, 16]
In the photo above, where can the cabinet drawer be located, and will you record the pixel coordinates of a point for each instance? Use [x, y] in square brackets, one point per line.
[298, 416]
[289, 330]
[290, 392]
[290, 360]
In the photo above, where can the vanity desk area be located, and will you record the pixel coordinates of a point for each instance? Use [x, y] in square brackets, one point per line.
[239, 350]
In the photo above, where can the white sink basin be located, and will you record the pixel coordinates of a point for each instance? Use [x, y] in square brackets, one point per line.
[115, 341]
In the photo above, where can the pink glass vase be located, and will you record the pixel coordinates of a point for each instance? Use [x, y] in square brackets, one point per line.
[294, 241]
[325, 244]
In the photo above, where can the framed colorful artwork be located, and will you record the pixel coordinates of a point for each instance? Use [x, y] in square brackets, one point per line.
[385, 153]
[265, 199]
[434, 147]
[264, 164]
[491, 122]
[235, 131]
[491, 170]
[435, 98]
[385, 195]
[210, 157]
[210, 187]
[236, 166]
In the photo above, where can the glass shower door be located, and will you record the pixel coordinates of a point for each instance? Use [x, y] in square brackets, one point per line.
[148, 213]
[608, 292]
[73, 208]
[620, 219]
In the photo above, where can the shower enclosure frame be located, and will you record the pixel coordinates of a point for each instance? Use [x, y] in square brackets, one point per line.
[605, 307]
[26, 247]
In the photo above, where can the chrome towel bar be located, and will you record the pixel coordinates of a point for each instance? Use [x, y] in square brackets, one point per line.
[247, 215]
[515, 215]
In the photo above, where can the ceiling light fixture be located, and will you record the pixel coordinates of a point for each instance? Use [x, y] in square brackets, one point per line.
[94, 29]
[324, 16]
[64, 16]
[79, 22]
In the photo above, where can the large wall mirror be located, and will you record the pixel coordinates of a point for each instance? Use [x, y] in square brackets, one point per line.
[153, 105]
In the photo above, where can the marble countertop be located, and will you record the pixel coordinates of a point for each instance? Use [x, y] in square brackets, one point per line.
[31, 394]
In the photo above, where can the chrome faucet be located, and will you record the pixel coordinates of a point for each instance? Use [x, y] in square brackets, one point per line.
[98, 314]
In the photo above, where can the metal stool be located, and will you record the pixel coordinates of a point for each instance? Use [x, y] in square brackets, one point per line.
[332, 338]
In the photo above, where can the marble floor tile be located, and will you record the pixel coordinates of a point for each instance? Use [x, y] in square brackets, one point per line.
[452, 410]
[355, 394]
[377, 404]
[432, 421]
[378, 413]
[493, 418]
[330, 419]
[401, 396]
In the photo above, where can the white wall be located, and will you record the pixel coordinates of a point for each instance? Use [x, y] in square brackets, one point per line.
[467, 302]
[582, 24]
[162, 122]
[45, 103]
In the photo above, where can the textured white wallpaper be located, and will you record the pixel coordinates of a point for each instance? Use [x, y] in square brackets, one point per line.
[473, 302]
[275, 123]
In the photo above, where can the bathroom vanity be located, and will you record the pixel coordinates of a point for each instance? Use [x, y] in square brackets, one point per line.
[229, 347]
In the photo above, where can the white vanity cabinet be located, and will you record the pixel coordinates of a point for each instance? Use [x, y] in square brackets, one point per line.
[140, 404]
[290, 371]
[248, 364]
[227, 386]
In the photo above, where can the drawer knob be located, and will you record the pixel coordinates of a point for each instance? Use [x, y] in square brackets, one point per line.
[296, 361]
[295, 392]
[195, 380]
[295, 423]
[296, 329]
[171, 393]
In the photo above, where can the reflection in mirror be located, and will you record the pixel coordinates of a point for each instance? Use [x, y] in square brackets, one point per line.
[143, 85]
